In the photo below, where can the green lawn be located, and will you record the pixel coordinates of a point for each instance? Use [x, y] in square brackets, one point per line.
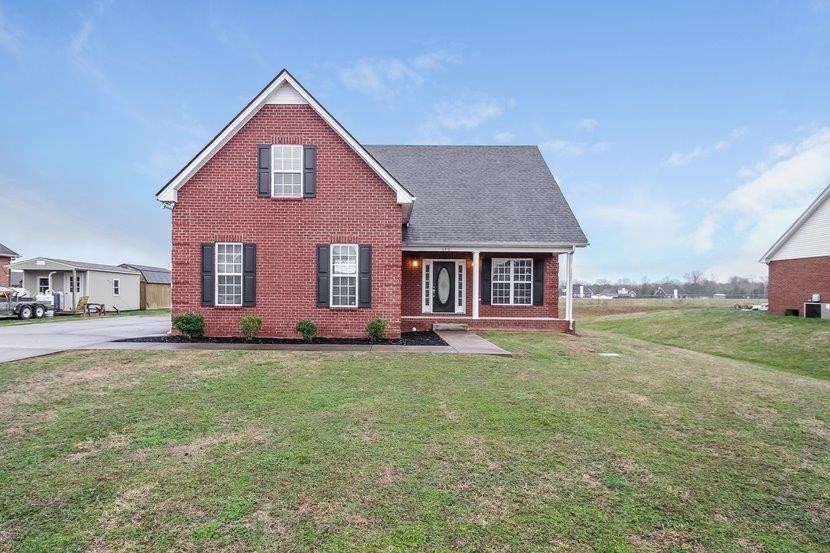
[81, 317]
[658, 449]
[793, 344]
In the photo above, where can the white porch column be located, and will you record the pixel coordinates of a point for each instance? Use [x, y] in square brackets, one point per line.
[569, 292]
[476, 282]
[74, 286]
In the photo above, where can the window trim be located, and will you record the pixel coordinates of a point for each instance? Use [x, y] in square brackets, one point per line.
[301, 171]
[216, 275]
[512, 282]
[116, 287]
[39, 279]
[426, 304]
[356, 277]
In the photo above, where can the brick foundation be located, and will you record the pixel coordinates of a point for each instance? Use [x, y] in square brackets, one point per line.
[794, 281]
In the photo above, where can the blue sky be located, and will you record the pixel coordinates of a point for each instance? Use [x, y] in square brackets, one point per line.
[685, 135]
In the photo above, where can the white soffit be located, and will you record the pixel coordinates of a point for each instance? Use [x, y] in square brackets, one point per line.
[285, 94]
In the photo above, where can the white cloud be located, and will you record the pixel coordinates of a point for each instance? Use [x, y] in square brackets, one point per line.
[383, 78]
[570, 148]
[9, 38]
[564, 147]
[503, 137]
[678, 159]
[467, 115]
[79, 49]
[758, 211]
[435, 60]
[588, 124]
[462, 114]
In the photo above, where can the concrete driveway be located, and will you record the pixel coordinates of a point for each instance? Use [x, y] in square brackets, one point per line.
[30, 340]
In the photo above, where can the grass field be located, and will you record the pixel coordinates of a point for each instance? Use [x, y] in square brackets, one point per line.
[792, 344]
[589, 308]
[557, 448]
[81, 316]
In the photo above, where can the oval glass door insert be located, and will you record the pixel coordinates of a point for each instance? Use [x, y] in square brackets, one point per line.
[443, 285]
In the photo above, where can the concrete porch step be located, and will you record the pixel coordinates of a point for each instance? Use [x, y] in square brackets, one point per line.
[449, 326]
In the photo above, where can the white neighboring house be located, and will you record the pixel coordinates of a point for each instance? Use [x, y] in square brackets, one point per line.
[70, 280]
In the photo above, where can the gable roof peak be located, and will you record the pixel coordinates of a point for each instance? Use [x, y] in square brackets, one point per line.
[296, 94]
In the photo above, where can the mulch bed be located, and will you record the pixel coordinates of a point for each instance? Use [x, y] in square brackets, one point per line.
[425, 338]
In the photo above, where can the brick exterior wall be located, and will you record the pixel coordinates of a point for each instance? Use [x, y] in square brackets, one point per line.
[353, 205]
[793, 281]
[412, 293]
[5, 274]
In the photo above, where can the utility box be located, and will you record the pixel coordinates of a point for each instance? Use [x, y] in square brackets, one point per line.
[815, 310]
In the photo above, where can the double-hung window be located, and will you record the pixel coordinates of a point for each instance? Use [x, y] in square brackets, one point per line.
[74, 283]
[42, 285]
[116, 287]
[344, 275]
[228, 274]
[512, 282]
[286, 171]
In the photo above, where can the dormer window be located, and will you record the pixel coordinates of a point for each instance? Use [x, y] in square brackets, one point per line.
[286, 171]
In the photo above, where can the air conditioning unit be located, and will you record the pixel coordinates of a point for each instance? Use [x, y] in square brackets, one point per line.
[815, 310]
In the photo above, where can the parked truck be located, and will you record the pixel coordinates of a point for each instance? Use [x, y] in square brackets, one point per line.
[14, 303]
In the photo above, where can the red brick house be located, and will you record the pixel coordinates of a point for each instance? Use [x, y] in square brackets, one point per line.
[6, 256]
[799, 262]
[285, 215]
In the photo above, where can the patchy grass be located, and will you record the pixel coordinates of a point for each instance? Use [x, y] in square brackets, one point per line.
[793, 344]
[658, 449]
[82, 317]
[590, 308]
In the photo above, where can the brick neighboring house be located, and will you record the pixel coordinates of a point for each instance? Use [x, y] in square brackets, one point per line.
[799, 262]
[6, 256]
[284, 215]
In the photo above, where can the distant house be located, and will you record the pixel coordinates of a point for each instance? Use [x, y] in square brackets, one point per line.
[609, 293]
[799, 262]
[154, 291]
[69, 281]
[582, 291]
[660, 293]
[7, 255]
[578, 291]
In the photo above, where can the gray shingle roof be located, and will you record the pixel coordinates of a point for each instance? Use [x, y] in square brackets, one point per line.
[6, 252]
[94, 266]
[498, 195]
[153, 275]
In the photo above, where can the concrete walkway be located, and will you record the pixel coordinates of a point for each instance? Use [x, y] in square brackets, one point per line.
[458, 342]
[467, 342]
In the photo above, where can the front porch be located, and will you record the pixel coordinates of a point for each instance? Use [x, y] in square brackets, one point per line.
[485, 288]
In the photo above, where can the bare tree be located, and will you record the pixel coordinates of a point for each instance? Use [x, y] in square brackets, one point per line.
[693, 277]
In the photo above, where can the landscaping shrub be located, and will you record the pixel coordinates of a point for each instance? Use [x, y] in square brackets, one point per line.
[251, 326]
[376, 329]
[191, 325]
[308, 329]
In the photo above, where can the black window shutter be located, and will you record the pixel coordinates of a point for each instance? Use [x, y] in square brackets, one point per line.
[323, 270]
[208, 270]
[364, 287]
[309, 171]
[486, 278]
[264, 170]
[249, 275]
[538, 281]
